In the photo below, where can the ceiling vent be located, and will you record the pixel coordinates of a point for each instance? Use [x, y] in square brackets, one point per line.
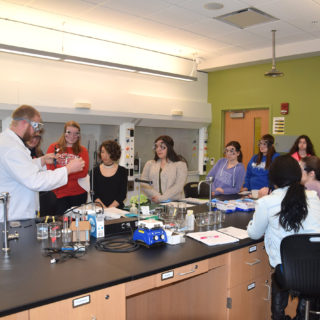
[246, 18]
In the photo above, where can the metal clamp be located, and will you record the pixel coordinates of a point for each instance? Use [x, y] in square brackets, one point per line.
[4, 198]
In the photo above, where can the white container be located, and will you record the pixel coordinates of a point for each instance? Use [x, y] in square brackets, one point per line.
[190, 220]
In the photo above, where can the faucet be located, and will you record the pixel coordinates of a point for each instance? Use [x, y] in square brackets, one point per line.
[4, 198]
[209, 181]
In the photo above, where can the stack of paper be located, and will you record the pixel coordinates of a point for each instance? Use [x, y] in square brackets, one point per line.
[195, 200]
[235, 232]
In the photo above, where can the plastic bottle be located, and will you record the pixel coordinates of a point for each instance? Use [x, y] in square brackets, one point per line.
[133, 208]
[190, 220]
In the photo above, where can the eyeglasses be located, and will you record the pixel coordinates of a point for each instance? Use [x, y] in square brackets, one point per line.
[231, 151]
[75, 134]
[37, 126]
[262, 143]
[161, 145]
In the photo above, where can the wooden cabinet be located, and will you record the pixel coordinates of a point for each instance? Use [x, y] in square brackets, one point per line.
[196, 291]
[249, 290]
[107, 303]
[231, 286]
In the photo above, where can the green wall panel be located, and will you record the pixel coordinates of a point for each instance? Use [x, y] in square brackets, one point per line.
[246, 87]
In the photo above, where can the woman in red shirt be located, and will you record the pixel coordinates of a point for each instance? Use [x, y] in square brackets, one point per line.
[67, 148]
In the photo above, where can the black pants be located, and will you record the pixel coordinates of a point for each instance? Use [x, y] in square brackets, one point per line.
[53, 206]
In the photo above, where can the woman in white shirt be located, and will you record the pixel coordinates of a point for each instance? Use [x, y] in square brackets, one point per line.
[289, 209]
[168, 172]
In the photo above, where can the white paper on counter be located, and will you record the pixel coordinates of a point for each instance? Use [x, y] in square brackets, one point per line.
[212, 238]
[235, 232]
[113, 213]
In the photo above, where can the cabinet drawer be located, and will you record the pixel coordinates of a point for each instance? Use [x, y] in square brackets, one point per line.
[94, 305]
[247, 263]
[140, 285]
[181, 273]
[217, 261]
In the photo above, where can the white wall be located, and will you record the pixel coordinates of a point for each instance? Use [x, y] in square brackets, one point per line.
[116, 96]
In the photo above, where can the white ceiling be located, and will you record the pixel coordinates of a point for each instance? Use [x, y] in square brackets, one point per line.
[185, 28]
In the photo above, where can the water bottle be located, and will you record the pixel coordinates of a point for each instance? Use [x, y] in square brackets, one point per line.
[190, 220]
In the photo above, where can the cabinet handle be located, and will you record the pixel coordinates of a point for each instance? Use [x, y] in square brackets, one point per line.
[256, 261]
[188, 272]
[93, 318]
[107, 297]
[269, 292]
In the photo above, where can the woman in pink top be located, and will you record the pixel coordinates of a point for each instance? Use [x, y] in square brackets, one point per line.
[302, 148]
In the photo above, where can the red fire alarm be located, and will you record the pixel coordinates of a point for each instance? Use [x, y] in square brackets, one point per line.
[284, 108]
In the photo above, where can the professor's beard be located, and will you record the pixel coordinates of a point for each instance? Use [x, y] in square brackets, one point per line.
[27, 136]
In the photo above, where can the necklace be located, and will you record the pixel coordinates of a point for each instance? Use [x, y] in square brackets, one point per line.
[108, 166]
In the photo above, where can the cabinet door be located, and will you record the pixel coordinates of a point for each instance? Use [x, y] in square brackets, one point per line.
[250, 300]
[107, 303]
[199, 297]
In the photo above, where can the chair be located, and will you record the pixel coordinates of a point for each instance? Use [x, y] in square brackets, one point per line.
[191, 190]
[300, 255]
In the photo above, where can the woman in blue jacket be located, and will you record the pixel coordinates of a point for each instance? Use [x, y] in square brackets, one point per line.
[257, 175]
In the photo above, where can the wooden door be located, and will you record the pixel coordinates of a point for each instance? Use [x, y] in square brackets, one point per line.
[247, 131]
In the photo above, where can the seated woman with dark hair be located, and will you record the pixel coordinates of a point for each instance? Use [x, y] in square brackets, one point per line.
[168, 172]
[228, 173]
[311, 173]
[302, 148]
[289, 209]
[109, 179]
[258, 167]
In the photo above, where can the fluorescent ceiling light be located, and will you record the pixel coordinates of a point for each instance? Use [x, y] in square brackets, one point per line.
[90, 62]
[101, 65]
[29, 54]
[166, 76]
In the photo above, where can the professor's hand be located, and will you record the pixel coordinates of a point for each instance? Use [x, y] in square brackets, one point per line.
[48, 158]
[75, 165]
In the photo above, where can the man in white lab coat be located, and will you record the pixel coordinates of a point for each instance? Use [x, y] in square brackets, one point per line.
[22, 176]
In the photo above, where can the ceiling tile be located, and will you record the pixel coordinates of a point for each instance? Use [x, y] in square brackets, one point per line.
[210, 27]
[198, 6]
[176, 17]
[137, 7]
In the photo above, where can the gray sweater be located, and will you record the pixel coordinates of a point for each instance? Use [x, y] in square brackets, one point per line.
[173, 179]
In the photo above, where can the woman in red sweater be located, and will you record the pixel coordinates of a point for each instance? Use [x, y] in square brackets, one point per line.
[67, 148]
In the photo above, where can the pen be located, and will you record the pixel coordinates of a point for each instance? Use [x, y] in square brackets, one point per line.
[216, 236]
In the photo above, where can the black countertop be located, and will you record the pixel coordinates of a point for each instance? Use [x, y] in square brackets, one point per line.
[28, 279]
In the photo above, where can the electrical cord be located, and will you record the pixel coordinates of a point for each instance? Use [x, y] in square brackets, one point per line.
[116, 245]
[76, 207]
[59, 255]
